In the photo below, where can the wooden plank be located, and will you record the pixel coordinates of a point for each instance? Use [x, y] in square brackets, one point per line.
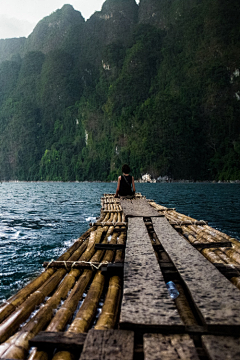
[64, 341]
[221, 347]
[196, 329]
[108, 345]
[138, 207]
[146, 303]
[228, 269]
[169, 347]
[113, 269]
[216, 299]
[212, 245]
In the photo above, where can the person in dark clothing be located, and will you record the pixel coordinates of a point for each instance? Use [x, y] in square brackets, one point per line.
[125, 186]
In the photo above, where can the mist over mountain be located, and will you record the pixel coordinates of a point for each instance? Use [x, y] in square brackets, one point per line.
[155, 85]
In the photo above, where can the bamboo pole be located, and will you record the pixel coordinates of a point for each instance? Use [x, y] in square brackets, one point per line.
[108, 317]
[18, 344]
[225, 257]
[212, 256]
[88, 309]
[111, 217]
[106, 218]
[214, 233]
[236, 281]
[209, 234]
[64, 314]
[15, 301]
[233, 255]
[183, 307]
[157, 206]
[45, 314]
[208, 253]
[10, 324]
[120, 253]
[228, 254]
[119, 219]
[235, 242]
[115, 217]
[86, 313]
[41, 355]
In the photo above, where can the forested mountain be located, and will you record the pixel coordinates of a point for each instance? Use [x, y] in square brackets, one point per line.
[154, 84]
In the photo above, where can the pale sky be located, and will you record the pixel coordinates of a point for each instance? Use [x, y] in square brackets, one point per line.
[19, 17]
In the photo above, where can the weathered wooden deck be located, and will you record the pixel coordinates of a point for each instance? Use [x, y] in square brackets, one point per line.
[216, 299]
[146, 303]
[119, 268]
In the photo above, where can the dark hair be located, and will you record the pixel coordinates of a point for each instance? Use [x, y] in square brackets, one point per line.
[125, 169]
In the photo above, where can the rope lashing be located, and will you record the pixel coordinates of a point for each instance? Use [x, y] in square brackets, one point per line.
[93, 265]
[49, 264]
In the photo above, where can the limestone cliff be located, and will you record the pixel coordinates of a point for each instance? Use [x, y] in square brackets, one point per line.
[114, 23]
[52, 32]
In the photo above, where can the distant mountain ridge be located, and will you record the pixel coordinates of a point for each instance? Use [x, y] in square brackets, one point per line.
[115, 22]
[155, 85]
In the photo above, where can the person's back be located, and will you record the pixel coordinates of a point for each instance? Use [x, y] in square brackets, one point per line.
[126, 186]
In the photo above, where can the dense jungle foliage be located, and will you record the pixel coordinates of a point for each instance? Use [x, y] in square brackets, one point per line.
[162, 96]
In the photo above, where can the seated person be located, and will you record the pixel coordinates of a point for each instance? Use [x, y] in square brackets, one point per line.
[125, 186]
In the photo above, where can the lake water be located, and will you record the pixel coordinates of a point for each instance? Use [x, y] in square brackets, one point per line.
[39, 221]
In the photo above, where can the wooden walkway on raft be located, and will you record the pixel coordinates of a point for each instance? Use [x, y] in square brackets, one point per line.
[119, 269]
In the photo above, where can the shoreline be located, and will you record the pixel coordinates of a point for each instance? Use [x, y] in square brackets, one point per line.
[136, 181]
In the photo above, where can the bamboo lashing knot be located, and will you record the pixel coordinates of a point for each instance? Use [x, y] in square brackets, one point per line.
[49, 264]
[93, 265]
[97, 267]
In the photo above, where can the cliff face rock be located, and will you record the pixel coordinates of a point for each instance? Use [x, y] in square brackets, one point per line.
[162, 13]
[114, 22]
[116, 88]
[66, 28]
[10, 47]
[151, 12]
[52, 32]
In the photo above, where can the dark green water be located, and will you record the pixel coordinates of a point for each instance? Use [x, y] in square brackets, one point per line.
[39, 221]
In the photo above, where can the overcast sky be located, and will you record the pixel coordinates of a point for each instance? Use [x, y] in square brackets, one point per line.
[19, 17]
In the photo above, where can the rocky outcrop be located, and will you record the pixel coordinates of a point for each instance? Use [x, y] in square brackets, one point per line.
[52, 32]
[115, 22]
[66, 29]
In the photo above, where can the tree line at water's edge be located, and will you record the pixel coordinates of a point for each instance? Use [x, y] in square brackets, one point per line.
[165, 100]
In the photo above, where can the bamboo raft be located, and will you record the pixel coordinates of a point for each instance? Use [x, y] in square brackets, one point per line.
[106, 296]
